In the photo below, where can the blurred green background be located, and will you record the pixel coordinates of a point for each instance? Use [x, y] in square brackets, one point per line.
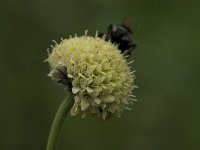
[167, 115]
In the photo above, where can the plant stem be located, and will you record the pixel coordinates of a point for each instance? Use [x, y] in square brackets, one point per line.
[62, 111]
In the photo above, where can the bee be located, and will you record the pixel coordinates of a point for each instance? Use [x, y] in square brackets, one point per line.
[122, 35]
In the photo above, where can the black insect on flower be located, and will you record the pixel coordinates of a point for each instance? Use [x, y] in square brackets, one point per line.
[122, 35]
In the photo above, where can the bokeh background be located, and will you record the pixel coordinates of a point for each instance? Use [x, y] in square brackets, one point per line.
[167, 115]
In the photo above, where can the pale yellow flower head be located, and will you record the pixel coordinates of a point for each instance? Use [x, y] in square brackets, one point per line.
[97, 73]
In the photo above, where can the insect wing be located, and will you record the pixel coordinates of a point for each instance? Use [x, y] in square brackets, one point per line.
[129, 24]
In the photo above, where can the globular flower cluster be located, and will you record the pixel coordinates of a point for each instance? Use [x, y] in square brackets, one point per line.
[100, 78]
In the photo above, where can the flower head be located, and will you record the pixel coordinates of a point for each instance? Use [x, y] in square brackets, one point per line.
[97, 74]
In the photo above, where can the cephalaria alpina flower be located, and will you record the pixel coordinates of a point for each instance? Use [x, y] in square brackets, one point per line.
[96, 73]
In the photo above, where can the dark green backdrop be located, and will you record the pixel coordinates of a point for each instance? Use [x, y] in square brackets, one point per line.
[167, 115]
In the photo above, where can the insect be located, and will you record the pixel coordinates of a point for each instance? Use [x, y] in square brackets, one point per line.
[122, 35]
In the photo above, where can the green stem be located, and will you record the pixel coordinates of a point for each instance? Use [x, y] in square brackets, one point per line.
[63, 110]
